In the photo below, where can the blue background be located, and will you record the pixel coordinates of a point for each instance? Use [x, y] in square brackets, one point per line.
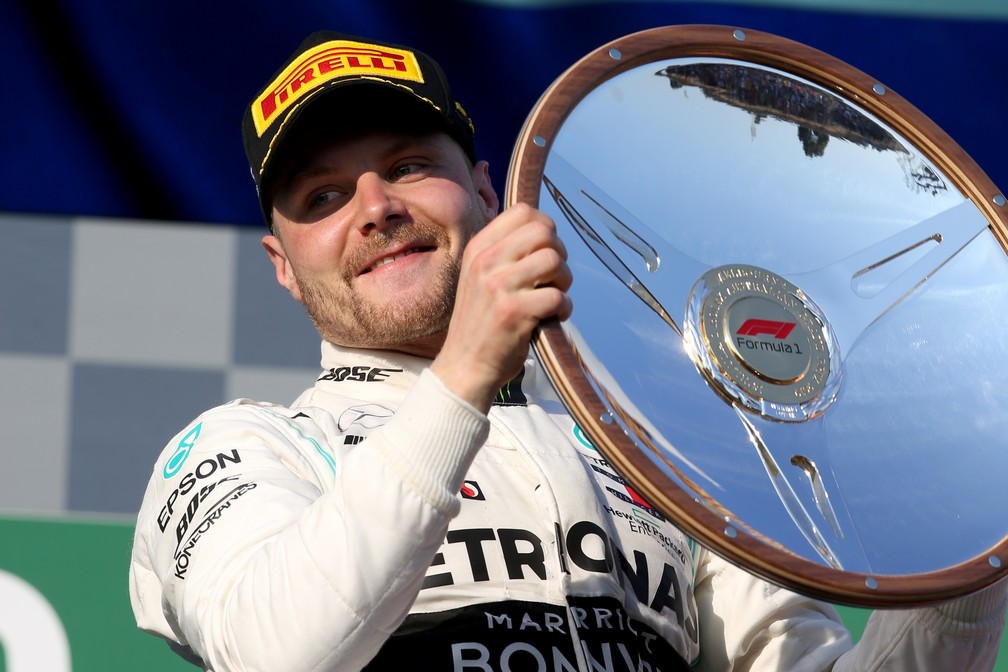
[133, 109]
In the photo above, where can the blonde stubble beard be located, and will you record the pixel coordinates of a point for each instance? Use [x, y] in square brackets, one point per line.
[345, 318]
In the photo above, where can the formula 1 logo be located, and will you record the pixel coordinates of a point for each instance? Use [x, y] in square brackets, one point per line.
[755, 327]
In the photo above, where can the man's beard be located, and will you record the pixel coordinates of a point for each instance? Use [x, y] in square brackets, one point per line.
[344, 317]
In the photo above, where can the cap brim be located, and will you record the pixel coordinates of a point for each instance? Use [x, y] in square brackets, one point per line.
[329, 113]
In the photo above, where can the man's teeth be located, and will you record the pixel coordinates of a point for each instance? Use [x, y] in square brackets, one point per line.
[389, 260]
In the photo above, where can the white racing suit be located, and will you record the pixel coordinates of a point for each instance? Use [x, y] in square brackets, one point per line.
[382, 523]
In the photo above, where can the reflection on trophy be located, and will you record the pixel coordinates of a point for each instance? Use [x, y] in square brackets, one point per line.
[789, 286]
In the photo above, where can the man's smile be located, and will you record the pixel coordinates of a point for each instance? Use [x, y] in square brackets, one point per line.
[394, 257]
[389, 257]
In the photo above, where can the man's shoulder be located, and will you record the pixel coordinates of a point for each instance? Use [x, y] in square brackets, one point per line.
[240, 436]
[246, 427]
[244, 410]
[249, 410]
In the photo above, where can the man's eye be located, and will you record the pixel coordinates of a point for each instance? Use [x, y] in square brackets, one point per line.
[318, 200]
[404, 170]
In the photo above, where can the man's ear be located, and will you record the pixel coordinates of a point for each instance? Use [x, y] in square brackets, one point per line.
[485, 190]
[284, 271]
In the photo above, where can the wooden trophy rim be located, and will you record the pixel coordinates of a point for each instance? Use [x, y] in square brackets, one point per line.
[707, 522]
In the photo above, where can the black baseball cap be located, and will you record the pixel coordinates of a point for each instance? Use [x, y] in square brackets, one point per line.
[327, 62]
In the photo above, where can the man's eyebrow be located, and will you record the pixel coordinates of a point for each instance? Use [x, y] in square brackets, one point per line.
[316, 169]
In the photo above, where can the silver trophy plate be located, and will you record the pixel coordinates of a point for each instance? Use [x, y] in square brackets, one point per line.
[790, 292]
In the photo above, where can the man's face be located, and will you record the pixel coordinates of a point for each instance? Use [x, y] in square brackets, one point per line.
[370, 231]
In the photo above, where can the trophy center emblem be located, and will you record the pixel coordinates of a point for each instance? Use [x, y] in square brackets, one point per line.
[761, 342]
[766, 338]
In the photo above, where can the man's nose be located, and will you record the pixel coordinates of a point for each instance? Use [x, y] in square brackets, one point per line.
[376, 201]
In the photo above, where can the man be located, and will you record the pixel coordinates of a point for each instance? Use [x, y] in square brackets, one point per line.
[429, 503]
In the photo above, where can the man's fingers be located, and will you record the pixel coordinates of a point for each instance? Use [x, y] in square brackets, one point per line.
[523, 246]
[549, 301]
[553, 270]
[514, 275]
[521, 229]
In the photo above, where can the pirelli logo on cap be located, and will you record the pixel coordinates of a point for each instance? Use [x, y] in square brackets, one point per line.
[324, 63]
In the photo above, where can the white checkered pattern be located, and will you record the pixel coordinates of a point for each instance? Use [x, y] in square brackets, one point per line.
[114, 334]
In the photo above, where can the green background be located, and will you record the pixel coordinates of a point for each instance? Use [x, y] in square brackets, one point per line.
[80, 566]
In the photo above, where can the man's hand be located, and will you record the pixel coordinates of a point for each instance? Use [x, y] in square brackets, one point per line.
[514, 274]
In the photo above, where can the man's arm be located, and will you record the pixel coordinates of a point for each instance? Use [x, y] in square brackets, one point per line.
[514, 274]
[303, 553]
[749, 623]
[962, 635]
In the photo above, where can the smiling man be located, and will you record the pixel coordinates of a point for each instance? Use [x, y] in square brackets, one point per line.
[429, 503]
[362, 245]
